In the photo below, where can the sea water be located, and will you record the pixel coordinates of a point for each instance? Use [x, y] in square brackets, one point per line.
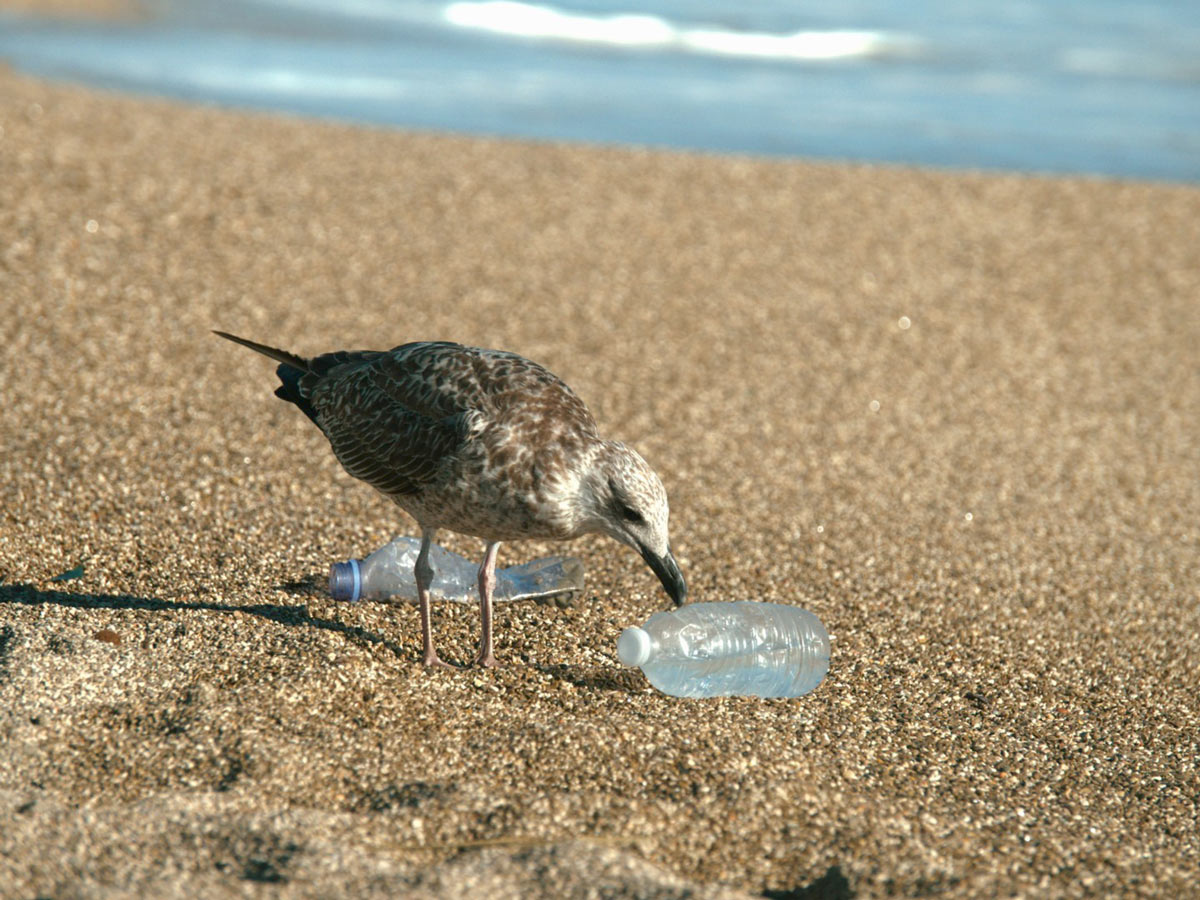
[1108, 86]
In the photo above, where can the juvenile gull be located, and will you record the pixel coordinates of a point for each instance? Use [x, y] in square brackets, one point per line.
[482, 442]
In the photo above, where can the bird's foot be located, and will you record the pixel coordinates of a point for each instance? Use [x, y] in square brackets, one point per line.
[433, 661]
[487, 661]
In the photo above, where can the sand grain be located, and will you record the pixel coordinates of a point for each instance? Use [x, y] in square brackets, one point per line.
[993, 508]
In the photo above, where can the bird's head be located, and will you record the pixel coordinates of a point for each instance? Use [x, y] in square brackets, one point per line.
[627, 501]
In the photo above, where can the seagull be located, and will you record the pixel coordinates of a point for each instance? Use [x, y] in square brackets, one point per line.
[482, 442]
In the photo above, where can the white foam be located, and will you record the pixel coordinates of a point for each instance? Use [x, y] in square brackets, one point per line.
[513, 18]
[534, 21]
[801, 45]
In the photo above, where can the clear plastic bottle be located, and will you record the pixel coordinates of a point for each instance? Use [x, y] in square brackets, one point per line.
[718, 649]
[388, 572]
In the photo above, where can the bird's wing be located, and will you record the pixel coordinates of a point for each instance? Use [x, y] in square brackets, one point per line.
[393, 418]
[442, 379]
[434, 378]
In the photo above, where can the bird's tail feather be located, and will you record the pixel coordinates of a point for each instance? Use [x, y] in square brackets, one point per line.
[292, 369]
[289, 359]
[291, 391]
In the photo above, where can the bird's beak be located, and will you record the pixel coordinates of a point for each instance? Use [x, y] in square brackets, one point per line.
[668, 573]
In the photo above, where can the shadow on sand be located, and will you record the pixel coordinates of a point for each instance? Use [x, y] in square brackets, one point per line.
[291, 616]
[298, 616]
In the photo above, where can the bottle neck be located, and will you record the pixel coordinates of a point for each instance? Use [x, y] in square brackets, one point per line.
[634, 646]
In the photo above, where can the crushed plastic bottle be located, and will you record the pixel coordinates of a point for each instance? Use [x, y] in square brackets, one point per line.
[740, 648]
[388, 572]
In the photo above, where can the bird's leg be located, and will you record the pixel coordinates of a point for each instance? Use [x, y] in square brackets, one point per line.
[487, 582]
[424, 574]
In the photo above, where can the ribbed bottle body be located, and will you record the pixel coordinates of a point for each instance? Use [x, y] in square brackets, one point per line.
[741, 648]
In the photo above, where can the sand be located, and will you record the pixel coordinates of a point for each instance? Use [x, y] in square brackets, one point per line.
[954, 415]
[115, 10]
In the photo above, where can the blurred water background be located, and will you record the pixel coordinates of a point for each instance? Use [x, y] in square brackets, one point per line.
[1108, 87]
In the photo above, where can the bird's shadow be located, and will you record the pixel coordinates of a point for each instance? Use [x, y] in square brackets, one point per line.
[298, 616]
[290, 616]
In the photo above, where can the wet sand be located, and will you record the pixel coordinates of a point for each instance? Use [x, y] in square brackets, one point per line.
[954, 415]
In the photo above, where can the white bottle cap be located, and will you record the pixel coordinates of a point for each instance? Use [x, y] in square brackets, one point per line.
[633, 646]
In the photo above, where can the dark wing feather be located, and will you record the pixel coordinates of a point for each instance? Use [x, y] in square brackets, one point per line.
[393, 449]
[296, 386]
[389, 422]
[434, 378]
[396, 453]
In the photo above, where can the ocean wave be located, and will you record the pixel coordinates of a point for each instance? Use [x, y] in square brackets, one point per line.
[512, 18]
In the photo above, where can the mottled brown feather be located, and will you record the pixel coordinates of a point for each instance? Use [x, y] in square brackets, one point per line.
[427, 418]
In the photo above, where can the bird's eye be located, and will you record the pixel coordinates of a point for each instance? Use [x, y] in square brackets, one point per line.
[629, 514]
[622, 508]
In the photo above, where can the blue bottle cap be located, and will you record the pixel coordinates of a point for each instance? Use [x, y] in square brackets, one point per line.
[345, 581]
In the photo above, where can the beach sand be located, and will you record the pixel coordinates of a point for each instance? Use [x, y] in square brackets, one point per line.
[115, 10]
[954, 415]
